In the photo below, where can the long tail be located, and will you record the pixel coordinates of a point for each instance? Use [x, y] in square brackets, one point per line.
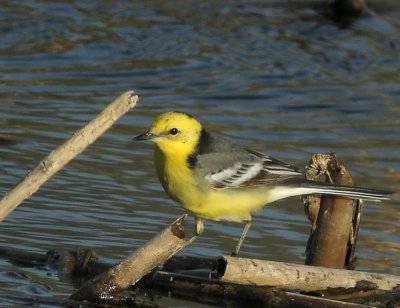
[305, 187]
[346, 191]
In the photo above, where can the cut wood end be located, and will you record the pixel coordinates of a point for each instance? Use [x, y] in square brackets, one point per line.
[318, 165]
[131, 97]
[222, 262]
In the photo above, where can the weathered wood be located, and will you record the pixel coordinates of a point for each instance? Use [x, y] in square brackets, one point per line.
[214, 292]
[66, 152]
[196, 279]
[296, 276]
[209, 290]
[332, 220]
[353, 237]
[135, 266]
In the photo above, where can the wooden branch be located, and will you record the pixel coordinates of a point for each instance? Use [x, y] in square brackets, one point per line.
[58, 158]
[210, 291]
[216, 293]
[196, 279]
[297, 276]
[142, 261]
[329, 242]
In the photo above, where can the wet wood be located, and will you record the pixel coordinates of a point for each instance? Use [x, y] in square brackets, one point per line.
[214, 292]
[224, 269]
[209, 290]
[135, 266]
[296, 276]
[333, 237]
[58, 158]
[197, 279]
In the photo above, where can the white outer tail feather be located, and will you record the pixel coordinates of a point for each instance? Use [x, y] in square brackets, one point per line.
[281, 192]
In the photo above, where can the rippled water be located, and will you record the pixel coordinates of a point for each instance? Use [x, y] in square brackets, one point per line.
[278, 77]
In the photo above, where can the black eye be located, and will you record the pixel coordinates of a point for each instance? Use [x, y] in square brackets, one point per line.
[173, 131]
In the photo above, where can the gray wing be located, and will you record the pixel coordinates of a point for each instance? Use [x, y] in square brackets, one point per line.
[226, 165]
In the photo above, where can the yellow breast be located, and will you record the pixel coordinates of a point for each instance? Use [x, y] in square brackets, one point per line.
[202, 200]
[177, 179]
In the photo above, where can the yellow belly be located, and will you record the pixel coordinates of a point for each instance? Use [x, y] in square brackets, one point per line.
[203, 200]
[230, 204]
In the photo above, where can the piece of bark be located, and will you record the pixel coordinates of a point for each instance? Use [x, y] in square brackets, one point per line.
[135, 266]
[355, 228]
[58, 158]
[297, 276]
[332, 238]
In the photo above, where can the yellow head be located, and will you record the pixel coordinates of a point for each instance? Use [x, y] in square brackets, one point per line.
[174, 133]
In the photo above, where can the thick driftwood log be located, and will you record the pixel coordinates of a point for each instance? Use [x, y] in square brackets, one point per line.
[297, 276]
[142, 261]
[332, 239]
[64, 153]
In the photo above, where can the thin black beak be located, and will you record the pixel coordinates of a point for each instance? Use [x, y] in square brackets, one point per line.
[145, 136]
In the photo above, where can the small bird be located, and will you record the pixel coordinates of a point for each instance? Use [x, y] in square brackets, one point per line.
[213, 178]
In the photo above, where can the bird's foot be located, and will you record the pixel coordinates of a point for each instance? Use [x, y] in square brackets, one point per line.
[199, 225]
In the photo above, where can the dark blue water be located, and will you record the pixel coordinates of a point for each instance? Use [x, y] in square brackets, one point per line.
[278, 77]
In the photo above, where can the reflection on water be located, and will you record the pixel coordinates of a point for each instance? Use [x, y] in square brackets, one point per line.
[281, 80]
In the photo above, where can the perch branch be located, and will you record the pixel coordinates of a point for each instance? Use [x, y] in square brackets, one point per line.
[120, 277]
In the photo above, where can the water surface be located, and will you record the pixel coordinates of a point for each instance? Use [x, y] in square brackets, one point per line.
[276, 77]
